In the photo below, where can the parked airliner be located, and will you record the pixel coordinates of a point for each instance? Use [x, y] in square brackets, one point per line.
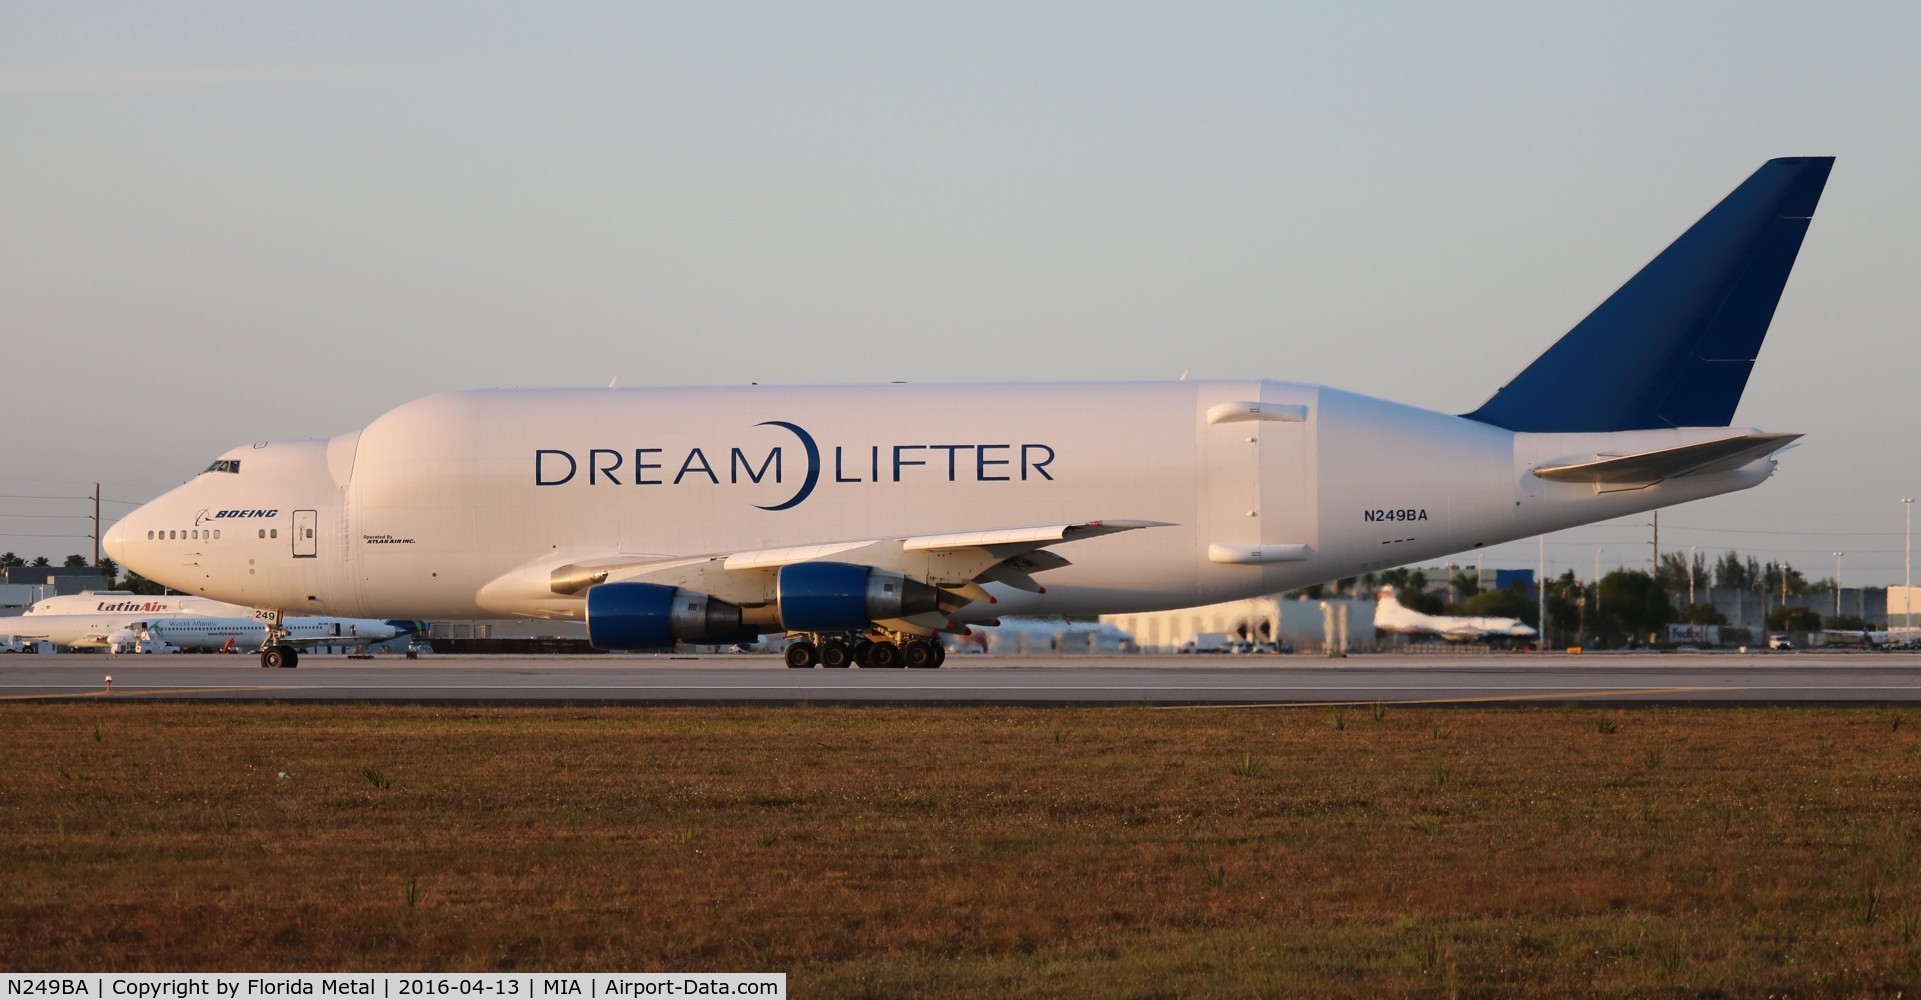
[119, 621]
[204, 635]
[1390, 615]
[92, 620]
[865, 520]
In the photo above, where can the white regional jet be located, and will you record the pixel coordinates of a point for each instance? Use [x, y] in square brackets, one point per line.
[867, 519]
[1390, 615]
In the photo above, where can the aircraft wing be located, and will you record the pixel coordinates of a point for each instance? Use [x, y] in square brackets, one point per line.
[54, 629]
[303, 641]
[1648, 467]
[958, 563]
[956, 559]
[7, 629]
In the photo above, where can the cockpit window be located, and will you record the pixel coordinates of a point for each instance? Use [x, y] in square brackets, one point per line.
[224, 465]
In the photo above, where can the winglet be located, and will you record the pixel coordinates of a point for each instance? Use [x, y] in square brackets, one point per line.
[1673, 347]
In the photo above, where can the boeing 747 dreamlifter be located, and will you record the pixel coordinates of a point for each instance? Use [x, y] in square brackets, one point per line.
[868, 519]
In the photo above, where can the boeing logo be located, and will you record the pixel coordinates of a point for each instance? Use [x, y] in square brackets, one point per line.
[205, 515]
[953, 463]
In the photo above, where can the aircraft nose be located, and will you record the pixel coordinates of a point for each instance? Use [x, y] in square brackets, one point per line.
[126, 542]
[115, 542]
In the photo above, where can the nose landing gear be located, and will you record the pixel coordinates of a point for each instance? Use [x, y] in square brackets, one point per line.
[275, 654]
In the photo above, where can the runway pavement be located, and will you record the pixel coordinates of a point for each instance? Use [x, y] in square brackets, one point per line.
[1615, 679]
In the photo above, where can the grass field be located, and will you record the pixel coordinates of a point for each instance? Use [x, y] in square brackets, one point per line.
[978, 852]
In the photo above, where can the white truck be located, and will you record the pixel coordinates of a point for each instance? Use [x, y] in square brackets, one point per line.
[1206, 642]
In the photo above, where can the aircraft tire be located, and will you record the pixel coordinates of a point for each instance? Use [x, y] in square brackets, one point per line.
[802, 655]
[940, 653]
[293, 657]
[863, 652]
[884, 656]
[835, 655]
[918, 655]
[273, 657]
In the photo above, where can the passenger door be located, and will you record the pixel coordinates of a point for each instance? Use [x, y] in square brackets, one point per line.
[305, 544]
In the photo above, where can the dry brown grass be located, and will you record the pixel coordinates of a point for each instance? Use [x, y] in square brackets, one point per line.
[977, 852]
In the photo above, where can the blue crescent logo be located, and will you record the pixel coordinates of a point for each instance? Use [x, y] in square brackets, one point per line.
[813, 465]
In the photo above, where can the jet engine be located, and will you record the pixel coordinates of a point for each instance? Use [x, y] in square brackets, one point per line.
[650, 616]
[125, 640]
[841, 597]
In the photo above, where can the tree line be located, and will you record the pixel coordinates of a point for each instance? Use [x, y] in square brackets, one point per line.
[132, 582]
[1623, 607]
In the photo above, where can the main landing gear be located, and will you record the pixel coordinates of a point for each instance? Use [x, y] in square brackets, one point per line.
[275, 657]
[839, 651]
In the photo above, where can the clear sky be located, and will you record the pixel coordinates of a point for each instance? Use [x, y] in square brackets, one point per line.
[231, 222]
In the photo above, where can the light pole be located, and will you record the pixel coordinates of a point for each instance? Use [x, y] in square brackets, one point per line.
[1690, 574]
[1907, 559]
[1837, 583]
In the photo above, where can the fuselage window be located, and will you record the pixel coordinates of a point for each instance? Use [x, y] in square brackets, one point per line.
[216, 532]
[273, 532]
[263, 532]
[149, 536]
[170, 536]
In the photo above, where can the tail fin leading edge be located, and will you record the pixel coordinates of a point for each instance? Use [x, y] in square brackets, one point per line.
[1673, 347]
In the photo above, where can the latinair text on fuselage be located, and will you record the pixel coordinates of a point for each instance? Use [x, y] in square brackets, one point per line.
[137, 607]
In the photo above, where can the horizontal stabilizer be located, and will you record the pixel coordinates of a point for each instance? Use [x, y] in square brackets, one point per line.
[1668, 463]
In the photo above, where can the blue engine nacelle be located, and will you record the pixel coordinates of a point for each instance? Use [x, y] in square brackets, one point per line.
[841, 597]
[651, 616]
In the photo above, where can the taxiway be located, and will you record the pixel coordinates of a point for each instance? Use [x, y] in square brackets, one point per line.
[1699, 679]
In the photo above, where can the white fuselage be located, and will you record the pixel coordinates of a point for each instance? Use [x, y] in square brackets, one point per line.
[204, 634]
[88, 621]
[1390, 615]
[446, 506]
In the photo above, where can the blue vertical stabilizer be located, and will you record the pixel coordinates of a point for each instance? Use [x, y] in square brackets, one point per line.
[1673, 346]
